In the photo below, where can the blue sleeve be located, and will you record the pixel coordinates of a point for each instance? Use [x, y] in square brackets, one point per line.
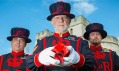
[31, 59]
[116, 61]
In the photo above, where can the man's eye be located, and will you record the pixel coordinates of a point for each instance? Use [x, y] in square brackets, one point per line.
[22, 40]
[57, 17]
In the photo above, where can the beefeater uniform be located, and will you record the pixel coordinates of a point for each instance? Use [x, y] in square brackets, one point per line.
[107, 59]
[86, 63]
[13, 62]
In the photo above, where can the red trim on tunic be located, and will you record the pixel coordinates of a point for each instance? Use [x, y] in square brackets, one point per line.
[95, 48]
[78, 44]
[82, 61]
[1, 61]
[111, 64]
[27, 69]
[44, 46]
[36, 61]
[44, 43]
[17, 53]
[61, 34]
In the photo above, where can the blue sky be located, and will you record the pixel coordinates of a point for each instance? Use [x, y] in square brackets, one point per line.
[32, 14]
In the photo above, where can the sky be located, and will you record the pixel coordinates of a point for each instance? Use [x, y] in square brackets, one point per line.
[32, 14]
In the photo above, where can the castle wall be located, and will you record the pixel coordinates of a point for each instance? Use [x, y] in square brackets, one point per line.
[111, 42]
[77, 30]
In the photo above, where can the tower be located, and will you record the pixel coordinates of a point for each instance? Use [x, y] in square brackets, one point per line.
[77, 26]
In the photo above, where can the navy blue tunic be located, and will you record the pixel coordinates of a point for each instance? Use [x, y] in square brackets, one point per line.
[107, 59]
[13, 62]
[86, 63]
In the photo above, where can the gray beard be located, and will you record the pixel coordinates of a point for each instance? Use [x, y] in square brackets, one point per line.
[61, 31]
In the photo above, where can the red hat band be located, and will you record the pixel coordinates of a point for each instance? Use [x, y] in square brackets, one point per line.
[96, 27]
[61, 10]
[20, 33]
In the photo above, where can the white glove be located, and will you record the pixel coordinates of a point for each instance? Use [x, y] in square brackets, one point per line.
[65, 63]
[46, 57]
[73, 57]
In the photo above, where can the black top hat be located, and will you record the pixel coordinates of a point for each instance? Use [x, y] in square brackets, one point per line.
[95, 27]
[19, 32]
[60, 8]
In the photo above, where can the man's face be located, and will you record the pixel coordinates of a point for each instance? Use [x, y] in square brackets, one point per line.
[95, 38]
[18, 44]
[61, 23]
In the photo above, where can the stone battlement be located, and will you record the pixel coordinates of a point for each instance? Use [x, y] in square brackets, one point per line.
[43, 34]
[111, 39]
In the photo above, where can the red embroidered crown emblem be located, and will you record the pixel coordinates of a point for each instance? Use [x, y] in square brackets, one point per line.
[99, 55]
[96, 27]
[14, 62]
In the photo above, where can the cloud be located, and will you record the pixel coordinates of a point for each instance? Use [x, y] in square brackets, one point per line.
[83, 6]
[78, 6]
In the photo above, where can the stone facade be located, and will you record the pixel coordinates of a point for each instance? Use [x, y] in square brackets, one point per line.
[112, 43]
[77, 27]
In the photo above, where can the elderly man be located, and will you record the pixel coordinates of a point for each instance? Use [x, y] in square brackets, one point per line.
[61, 51]
[16, 60]
[107, 59]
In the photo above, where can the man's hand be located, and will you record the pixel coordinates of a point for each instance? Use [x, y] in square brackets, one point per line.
[73, 57]
[46, 57]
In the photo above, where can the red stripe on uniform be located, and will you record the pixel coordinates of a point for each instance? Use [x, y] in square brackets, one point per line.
[36, 61]
[110, 54]
[82, 60]
[44, 46]
[78, 44]
[1, 61]
[44, 43]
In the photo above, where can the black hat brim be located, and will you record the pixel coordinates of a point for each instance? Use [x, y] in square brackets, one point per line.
[11, 37]
[69, 15]
[102, 32]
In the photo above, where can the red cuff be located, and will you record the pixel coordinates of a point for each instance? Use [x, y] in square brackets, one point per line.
[36, 61]
[27, 69]
[82, 61]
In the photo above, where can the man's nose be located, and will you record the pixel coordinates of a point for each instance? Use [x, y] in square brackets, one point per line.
[18, 41]
[61, 19]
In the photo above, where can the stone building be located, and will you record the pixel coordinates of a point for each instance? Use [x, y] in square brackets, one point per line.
[77, 27]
